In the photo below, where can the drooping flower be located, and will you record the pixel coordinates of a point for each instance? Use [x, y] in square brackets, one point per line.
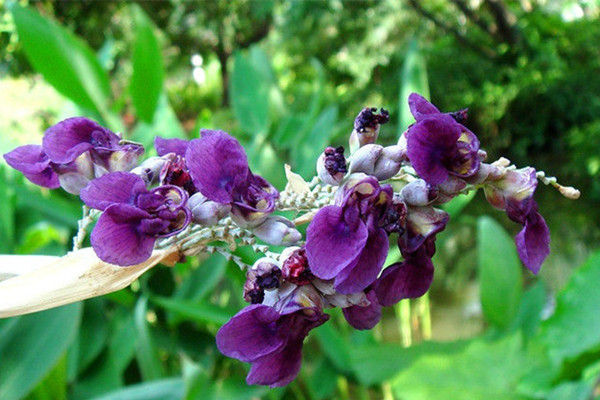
[345, 241]
[421, 223]
[438, 145]
[73, 152]
[133, 217]
[364, 317]
[513, 193]
[219, 169]
[270, 336]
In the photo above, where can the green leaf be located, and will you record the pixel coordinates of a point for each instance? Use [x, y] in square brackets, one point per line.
[41, 235]
[483, 370]
[575, 326]
[93, 332]
[500, 274]
[373, 364]
[312, 145]
[53, 207]
[455, 206]
[198, 311]
[532, 305]
[7, 211]
[165, 122]
[413, 78]
[202, 280]
[165, 389]
[250, 95]
[571, 391]
[31, 347]
[146, 354]
[64, 60]
[147, 79]
[336, 347]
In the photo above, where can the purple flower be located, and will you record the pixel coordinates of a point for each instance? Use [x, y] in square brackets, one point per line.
[74, 151]
[514, 194]
[366, 127]
[219, 169]
[34, 164]
[364, 317]
[133, 217]
[345, 241]
[439, 146]
[406, 280]
[271, 337]
[421, 224]
[166, 146]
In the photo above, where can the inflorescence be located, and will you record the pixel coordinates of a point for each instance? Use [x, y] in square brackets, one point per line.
[201, 194]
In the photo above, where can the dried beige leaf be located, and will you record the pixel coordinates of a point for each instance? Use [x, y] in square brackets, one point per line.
[295, 181]
[77, 276]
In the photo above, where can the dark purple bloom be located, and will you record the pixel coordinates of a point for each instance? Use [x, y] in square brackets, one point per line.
[514, 194]
[364, 317]
[219, 169]
[331, 165]
[34, 164]
[74, 151]
[271, 337]
[439, 146]
[408, 279]
[366, 127]
[421, 224]
[133, 217]
[345, 241]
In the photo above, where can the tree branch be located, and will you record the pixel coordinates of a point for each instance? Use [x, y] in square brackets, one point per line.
[485, 51]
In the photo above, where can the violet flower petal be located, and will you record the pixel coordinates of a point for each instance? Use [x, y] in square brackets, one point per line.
[116, 187]
[406, 280]
[250, 334]
[356, 278]
[367, 317]
[218, 166]
[533, 242]
[166, 146]
[429, 141]
[68, 139]
[279, 368]
[116, 238]
[331, 244]
[34, 164]
[420, 107]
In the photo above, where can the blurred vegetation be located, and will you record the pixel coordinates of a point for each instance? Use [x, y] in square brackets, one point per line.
[287, 79]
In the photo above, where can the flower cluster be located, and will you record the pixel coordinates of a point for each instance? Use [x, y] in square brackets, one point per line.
[201, 193]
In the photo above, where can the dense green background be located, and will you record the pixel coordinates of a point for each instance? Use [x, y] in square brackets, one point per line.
[287, 79]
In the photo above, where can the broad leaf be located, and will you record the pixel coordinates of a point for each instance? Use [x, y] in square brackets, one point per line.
[147, 79]
[413, 78]
[32, 345]
[499, 273]
[64, 60]
[165, 389]
[147, 356]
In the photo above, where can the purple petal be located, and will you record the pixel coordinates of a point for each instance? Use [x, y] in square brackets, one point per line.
[406, 280]
[331, 244]
[34, 164]
[116, 238]
[354, 279]
[116, 187]
[68, 139]
[421, 223]
[166, 146]
[218, 166]
[429, 143]
[533, 242]
[420, 107]
[367, 317]
[250, 334]
[277, 369]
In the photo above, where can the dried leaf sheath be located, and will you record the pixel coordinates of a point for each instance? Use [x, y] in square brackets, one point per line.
[77, 276]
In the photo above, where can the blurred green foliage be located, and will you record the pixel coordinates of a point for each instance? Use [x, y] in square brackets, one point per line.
[287, 79]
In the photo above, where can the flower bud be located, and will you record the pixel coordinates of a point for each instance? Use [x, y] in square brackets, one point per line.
[277, 231]
[295, 268]
[207, 212]
[123, 159]
[378, 161]
[419, 193]
[331, 166]
[366, 127]
[150, 169]
[265, 274]
[75, 175]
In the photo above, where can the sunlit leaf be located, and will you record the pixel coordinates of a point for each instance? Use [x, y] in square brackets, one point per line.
[147, 79]
[146, 354]
[499, 273]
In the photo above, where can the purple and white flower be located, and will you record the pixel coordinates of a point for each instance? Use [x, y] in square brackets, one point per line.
[133, 217]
